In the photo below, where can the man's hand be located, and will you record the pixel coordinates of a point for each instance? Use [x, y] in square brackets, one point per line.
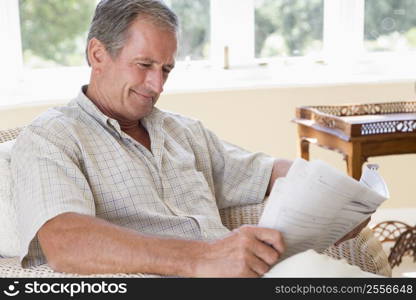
[280, 169]
[353, 233]
[248, 251]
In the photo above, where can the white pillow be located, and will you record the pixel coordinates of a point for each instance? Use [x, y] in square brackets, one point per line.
[312, 264]
[9, 242]
[5, 149]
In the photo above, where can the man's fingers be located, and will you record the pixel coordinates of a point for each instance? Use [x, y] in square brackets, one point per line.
[272, 237]
[261, 247]
[251, 274]
[258, 266]
[364, 223]
[265, 252]
[353, 233]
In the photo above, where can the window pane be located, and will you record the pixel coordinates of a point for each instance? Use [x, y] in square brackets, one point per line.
[390, 25]
[288, 27]
[194, 18]
[54, 32]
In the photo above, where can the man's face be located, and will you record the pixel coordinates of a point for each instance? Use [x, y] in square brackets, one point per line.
[130, 84]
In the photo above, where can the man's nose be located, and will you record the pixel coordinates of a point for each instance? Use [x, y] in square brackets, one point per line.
[155, 81]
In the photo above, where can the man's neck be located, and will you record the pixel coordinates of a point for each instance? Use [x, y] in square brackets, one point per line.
[133, 128]
[140, 134]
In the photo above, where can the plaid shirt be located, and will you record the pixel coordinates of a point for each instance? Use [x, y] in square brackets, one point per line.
[76, 159]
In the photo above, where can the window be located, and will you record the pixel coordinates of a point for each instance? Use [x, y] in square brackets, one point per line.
[288, 27]
[54, 32]
[48, 36]
[194, 34]
[390, 25]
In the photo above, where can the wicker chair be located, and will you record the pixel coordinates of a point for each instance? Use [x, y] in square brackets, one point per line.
[364, 251]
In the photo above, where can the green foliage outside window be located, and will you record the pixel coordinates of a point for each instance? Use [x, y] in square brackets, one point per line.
[390, 24]
[288, 27]
[54, 31]
[295, 27]
[194, 18]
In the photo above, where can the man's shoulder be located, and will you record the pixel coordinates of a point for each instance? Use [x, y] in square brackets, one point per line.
[55, 115]
[53, 130]
[59, 120]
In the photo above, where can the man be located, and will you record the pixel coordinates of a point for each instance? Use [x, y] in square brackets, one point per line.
[111, 184]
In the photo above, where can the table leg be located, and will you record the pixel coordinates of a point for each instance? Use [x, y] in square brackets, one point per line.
[354, 165]
[304, 149]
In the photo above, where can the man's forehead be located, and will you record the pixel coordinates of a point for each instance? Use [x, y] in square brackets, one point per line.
[150, 42]
[147, 25]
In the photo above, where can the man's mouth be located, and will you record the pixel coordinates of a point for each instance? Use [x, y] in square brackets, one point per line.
[147, 97]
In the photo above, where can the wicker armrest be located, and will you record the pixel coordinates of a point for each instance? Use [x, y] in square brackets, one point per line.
[9, 134]
[234, 217]
[10, 267]
[364, 251]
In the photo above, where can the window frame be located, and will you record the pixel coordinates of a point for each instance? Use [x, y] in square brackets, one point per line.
[11, 59]
[343, 18]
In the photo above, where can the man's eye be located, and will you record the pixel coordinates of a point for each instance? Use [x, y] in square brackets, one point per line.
[143, 65]
[166, 71]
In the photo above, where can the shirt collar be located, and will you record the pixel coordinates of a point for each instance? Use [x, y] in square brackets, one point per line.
[154, 119]
[90, 108]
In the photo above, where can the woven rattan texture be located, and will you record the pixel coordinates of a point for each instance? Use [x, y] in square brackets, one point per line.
[366, 109]
[364, 251]
[9, 134]
[10, 267]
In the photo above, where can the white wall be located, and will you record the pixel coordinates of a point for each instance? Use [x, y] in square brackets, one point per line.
[260, 120]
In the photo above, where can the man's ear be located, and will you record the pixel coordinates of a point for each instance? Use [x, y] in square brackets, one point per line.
[97, 55]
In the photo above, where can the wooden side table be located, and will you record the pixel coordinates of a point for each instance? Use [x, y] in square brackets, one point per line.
[358, 131]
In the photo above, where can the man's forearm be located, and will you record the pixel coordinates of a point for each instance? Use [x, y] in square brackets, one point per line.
[87, 245]
[280, 169]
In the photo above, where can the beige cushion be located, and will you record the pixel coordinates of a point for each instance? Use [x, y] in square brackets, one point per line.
[9, 242]
[312, 264]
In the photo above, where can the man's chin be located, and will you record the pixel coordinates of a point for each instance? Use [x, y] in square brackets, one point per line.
[143, 111]
[141, 106]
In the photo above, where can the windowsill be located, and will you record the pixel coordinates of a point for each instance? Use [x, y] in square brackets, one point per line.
[286, 74]
[45, 86]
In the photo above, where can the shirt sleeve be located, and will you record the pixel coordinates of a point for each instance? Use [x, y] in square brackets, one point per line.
[240, 177]
[48, 181]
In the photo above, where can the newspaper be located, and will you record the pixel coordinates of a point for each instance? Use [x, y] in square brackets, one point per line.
[315, 204]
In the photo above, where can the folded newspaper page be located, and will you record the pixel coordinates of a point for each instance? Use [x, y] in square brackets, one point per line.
[315, 204]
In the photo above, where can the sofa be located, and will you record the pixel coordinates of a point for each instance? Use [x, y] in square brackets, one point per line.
[364, 251]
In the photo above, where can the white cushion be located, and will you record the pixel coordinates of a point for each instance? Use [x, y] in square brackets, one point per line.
[312, 264]
[5, 149]
[9, 242]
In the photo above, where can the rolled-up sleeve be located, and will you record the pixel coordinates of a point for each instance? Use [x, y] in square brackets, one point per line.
[48, 181]
[240, 177]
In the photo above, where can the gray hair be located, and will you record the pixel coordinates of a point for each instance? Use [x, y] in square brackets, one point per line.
[113, 18]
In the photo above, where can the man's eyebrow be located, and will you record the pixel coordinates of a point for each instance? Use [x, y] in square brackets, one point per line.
[143, 58]
[149, 60]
